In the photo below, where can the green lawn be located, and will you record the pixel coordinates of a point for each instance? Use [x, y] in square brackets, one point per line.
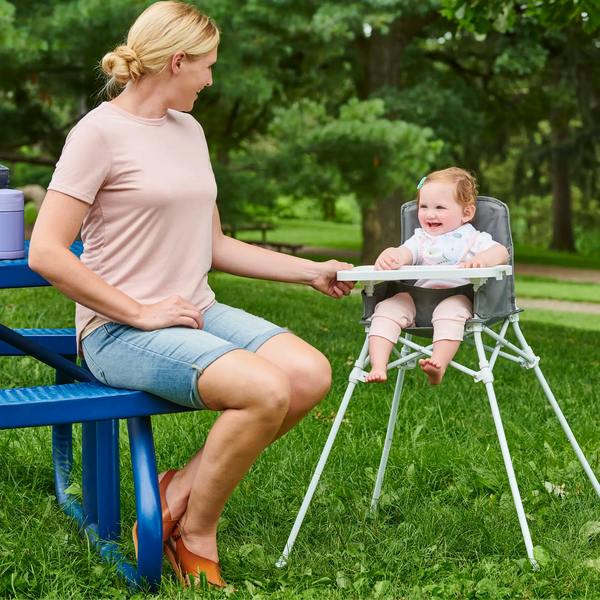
[446, 526]
[532, 255]
[314, 233]
[571, 320]
[545, 287]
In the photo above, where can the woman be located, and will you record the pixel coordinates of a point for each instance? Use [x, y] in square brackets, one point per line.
[136, 173]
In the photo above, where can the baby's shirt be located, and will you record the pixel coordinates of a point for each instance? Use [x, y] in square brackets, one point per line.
[452, 248]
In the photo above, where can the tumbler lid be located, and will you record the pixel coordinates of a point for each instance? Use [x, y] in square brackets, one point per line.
[11, 201]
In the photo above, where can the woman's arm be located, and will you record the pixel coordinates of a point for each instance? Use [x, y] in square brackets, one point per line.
[56, 227]
[236, 257]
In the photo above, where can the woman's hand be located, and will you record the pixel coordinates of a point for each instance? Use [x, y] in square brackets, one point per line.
[172, 312]
[326, 279]
[389, 259]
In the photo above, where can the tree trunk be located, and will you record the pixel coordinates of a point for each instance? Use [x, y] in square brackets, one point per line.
[381, 55]
[562, 229]
[380, 226]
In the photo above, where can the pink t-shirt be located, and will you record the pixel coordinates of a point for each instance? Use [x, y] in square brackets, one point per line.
[151, 191]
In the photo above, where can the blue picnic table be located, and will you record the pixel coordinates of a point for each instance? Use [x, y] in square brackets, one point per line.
[99, 408]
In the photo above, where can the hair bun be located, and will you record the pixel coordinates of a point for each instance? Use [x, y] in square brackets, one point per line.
[123, 64]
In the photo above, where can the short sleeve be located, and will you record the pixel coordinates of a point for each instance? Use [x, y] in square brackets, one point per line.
[413, 245]
[84, 163]
[482, 242]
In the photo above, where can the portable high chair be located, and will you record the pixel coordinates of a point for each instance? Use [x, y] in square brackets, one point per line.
[493, 293]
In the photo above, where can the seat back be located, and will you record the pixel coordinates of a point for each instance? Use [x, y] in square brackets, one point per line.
[496, 299]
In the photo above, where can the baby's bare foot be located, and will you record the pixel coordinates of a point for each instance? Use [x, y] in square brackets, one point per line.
[433, 369]
[376, 375]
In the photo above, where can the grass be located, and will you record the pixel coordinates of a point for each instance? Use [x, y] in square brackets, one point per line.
[583, 321]
[446, 525]
[533, 255]
[545, 287]
[313, 233]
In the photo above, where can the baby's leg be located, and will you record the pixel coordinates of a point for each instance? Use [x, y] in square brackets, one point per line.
[389, 318]
[448, 321]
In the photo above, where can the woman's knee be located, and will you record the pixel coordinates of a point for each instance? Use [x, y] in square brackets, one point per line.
[308, 369]
[310, 377]
[272, 393]
[241, 380]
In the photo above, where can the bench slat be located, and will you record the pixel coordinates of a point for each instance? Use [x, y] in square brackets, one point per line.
[61, 341]
[77, 403]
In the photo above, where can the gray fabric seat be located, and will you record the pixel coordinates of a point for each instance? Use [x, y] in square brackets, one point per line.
[491, 304]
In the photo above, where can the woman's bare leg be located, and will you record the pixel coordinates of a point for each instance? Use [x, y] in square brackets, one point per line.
[309, 375]
[254, 407]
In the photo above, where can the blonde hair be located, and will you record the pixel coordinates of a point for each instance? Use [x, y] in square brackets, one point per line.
[465, 185]
[163, 29]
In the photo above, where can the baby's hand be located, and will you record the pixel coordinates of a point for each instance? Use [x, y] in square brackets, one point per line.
[477, 262]
[389, 259]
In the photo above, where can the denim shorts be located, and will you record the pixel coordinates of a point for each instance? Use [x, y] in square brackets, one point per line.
[167, 362]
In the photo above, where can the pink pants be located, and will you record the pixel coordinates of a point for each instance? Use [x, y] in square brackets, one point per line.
[393, 315]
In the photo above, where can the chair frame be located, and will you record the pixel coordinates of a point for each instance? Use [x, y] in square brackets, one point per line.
[406, 359]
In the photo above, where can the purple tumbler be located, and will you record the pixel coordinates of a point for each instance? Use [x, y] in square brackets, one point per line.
[12, 225]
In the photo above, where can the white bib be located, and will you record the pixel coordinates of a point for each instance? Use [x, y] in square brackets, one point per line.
[446, 249]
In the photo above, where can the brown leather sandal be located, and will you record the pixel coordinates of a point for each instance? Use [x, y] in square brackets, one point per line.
[168, 523]
[186, 564]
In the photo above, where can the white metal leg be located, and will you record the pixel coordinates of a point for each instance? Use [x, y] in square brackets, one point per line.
[488, 379]
[390, 430]
[358, 366]
[557, 410]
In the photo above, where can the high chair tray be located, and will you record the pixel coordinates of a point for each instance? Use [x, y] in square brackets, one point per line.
[368, 273]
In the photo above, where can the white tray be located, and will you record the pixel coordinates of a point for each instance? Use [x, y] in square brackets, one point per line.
[368, 275]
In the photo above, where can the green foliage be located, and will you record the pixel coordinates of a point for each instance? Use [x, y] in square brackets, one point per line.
[502, 15]
[531, 223]
[360, 151]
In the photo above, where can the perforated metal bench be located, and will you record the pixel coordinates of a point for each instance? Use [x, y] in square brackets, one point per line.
[99, 408]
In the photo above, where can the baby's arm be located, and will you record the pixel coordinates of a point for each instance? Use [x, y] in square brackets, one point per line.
[495, 255]
[393, 258]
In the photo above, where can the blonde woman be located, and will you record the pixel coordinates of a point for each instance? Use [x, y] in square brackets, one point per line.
[136, 173]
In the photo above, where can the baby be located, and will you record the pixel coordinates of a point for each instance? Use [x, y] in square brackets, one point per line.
[446, 202]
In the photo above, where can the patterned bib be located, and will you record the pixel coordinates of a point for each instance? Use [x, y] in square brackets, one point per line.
[446, 249]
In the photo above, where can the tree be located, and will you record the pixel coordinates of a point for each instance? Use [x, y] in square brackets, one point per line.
[359, 151]
[565, 89]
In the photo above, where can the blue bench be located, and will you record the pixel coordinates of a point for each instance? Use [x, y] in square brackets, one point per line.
[99, 408]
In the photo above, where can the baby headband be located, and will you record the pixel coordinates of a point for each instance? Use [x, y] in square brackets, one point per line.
[421, 182]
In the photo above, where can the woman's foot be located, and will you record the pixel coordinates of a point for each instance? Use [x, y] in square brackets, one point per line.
[433, 369]
[376, 375]
[187, 557]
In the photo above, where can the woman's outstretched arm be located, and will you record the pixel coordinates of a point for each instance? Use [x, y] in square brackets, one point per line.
[238, 258]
